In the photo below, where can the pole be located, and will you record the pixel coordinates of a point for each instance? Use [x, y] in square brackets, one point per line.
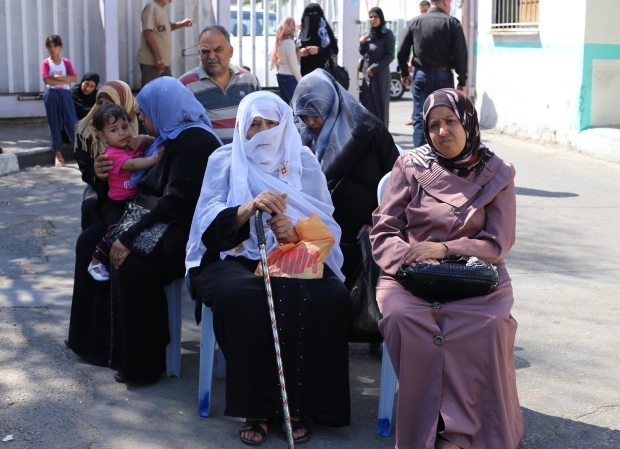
[260, 234]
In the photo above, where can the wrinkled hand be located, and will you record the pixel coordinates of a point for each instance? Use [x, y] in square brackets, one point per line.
[118, 254]
[270, 202]
[283, 229]
[425, 252]
[407, 80]
[103, 166]
[369, 72]
[364, 228]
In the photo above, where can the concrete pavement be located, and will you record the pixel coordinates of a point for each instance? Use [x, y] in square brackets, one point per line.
[565, 274]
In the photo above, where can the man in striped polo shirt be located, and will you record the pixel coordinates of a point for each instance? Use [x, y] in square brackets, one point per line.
[216, 83]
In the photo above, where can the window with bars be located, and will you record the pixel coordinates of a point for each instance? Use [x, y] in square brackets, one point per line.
[515, 15]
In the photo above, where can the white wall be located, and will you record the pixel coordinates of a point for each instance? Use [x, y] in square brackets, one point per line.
[529, 85]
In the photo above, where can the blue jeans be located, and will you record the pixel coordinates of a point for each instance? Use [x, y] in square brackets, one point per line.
[61, 115]
[425, 82]
[287, 85]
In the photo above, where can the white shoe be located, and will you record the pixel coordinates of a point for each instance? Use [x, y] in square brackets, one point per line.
[101, 275]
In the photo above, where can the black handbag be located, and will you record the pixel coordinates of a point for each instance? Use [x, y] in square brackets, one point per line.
[339, 73]
[451, 280]
[364, 312]
[148, 240]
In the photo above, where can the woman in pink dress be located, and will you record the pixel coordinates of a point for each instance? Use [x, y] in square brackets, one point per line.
[454, 360]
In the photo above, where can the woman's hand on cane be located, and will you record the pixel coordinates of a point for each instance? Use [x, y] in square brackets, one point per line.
[267, 201]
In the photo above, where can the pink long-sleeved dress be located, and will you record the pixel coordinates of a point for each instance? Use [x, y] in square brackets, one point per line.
[454, 361]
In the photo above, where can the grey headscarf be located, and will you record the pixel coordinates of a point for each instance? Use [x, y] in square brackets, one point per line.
[348, 125]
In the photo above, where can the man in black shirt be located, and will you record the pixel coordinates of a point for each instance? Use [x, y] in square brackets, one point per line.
[438, 47]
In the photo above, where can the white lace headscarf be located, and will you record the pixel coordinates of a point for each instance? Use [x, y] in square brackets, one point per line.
[272, 160]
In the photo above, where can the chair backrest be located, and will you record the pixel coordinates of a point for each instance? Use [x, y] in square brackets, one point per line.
[400, 150]
[381, 186]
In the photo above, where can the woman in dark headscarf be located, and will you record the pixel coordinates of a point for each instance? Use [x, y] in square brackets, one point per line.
[377, 48]
[84, 94]
[454, 360]
[316, 39]
[123, 323]
[355, 150]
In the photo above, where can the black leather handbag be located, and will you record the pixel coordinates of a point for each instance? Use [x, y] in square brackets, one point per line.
[451, 280]
[148, 240]
[340, 74]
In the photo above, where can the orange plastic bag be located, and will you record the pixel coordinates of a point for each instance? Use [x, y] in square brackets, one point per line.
[304, 259]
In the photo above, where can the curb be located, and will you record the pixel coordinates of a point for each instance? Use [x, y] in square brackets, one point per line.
[8, 163]
[41, 156]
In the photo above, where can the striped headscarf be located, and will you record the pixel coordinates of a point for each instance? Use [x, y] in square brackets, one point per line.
[475, 155]
[121, 94]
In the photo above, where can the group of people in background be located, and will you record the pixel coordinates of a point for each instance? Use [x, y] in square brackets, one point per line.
[203, 153]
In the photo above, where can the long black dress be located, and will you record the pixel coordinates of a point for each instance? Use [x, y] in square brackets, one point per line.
[312, 321]
[378, 53]
[123, 324]
[355, 195]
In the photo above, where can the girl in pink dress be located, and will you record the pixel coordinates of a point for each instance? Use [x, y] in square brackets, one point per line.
[111, 122]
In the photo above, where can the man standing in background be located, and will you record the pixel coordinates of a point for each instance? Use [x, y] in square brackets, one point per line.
[425, 5]
[156, 43]
[217, 83]
[438, 47]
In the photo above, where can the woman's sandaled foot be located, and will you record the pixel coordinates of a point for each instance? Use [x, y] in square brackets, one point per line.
[301, 430]
[254, 432]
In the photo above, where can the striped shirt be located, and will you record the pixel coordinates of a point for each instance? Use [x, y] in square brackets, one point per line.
[221, 104]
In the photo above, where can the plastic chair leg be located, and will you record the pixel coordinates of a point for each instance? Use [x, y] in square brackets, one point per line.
[386, 394]
[207, 352]
[174, 293]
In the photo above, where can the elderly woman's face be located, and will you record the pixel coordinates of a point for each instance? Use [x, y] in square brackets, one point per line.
[150, 128]
[314, 122]
[260, 124]
[446, 132]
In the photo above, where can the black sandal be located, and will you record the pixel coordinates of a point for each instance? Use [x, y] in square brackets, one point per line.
[254, 425]
[302, 424]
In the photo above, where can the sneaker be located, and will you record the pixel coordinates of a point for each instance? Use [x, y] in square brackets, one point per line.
[99, 272]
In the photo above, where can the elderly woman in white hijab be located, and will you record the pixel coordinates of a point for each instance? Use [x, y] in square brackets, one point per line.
[267, 168]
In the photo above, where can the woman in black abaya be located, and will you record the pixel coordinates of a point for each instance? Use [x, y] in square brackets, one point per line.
[316, 39]
[123, 323]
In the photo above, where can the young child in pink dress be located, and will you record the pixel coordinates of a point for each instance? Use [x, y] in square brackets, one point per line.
[111, 122]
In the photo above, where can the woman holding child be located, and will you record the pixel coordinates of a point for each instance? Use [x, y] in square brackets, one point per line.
[267, 168]
[123, 323]
[454, 360]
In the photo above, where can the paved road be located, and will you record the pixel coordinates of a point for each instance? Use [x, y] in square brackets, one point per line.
[566, 278]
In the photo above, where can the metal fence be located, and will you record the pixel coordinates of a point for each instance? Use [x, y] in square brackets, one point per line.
[515, 15]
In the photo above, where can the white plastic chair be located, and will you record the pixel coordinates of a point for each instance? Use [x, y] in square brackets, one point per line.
[174, 295]
[207, 353]
[387, 388]
[400, 150]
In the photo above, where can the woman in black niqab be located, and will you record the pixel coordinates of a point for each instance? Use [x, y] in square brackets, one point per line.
[316, 39]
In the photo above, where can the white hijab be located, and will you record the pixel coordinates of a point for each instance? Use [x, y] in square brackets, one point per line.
[272, 160]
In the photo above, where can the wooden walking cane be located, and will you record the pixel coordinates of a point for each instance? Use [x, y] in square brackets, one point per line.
[260, 234]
